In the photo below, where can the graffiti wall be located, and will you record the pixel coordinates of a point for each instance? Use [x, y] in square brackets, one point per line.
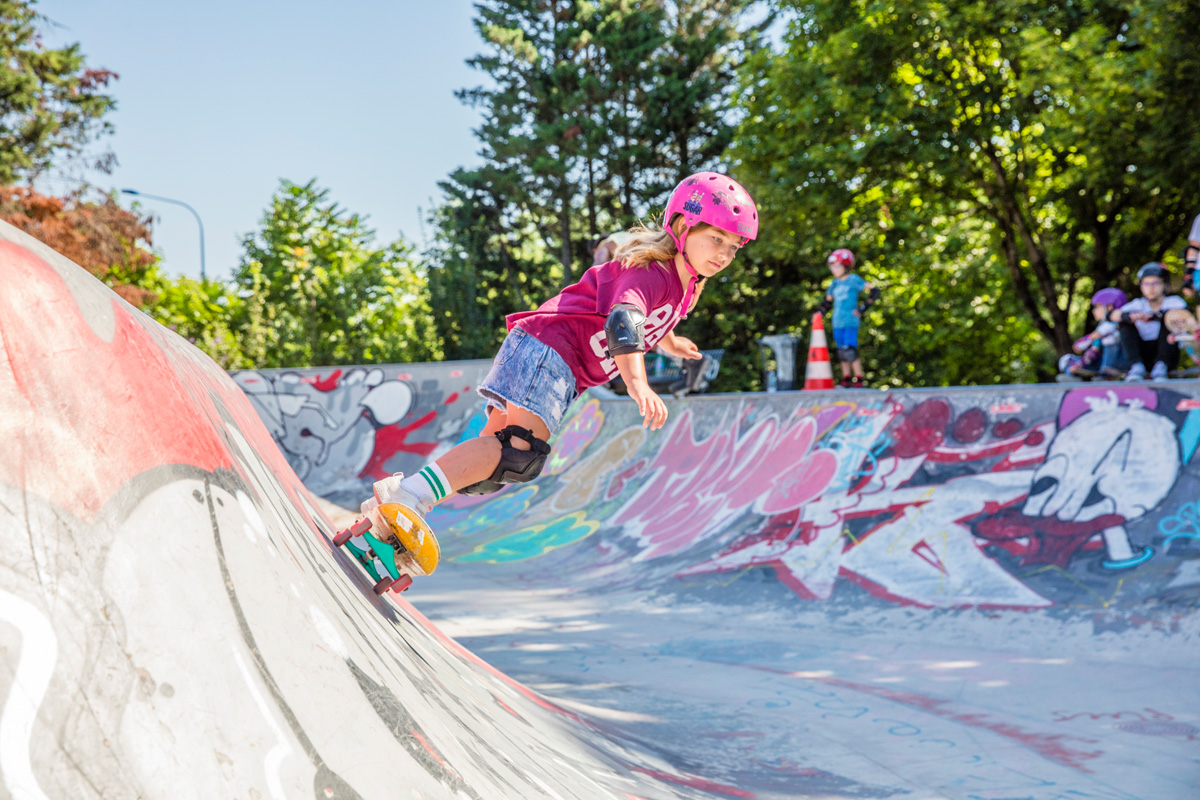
[343, 428]
[1019, 498]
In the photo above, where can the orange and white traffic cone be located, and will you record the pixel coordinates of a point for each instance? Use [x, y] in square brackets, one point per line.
[818, 372]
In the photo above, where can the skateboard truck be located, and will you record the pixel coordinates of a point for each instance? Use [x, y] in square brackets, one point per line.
[396, 538]
[376, 556]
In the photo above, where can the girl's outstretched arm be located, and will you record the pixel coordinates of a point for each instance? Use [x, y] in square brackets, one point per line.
[632, 367]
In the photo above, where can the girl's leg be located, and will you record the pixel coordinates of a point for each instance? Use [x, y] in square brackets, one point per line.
[525, 419]
[476, 460]
[858, 368]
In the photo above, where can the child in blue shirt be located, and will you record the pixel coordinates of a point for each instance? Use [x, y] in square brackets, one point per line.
[842, 296]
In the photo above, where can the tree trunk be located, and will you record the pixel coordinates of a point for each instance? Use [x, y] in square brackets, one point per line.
[564, 230]
[1006, 209]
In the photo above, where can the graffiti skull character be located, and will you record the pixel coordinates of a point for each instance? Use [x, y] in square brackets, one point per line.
[1115, 459]
[1109, 466]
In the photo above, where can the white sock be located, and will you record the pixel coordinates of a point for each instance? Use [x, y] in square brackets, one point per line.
[429, 485]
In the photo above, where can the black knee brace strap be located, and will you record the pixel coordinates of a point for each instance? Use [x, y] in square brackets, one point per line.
[516, 465]
[847, 354]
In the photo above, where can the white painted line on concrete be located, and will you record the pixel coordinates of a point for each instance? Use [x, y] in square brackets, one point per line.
[39, 654]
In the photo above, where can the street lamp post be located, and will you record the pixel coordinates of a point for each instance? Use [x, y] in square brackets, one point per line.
[199, 222]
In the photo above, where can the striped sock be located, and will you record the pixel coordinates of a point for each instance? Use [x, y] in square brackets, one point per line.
[430, 484]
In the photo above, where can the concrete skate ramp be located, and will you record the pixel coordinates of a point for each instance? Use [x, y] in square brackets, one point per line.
[173, 621]
[984, 594]
[967, 594]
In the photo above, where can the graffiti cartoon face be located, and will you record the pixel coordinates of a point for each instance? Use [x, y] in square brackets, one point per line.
[1115, 459]
[317, 427]
[1110, 465]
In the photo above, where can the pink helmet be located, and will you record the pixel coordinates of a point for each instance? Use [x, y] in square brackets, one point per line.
[713, 198]
[841, 256]
[716, 199]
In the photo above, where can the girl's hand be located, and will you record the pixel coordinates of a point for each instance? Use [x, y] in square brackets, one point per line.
[650, 405]
[682, 347]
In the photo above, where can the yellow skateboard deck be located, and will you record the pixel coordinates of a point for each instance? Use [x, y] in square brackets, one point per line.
[414, 535]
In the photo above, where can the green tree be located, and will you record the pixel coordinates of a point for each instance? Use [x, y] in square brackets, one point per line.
[691, 101]
[596, 109]
[315, 290]
[51, 103]
[531, 130]
[487, 260]
[204, 313]
[1053, 129]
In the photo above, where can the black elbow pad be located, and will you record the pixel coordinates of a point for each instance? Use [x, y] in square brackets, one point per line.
[623, 328]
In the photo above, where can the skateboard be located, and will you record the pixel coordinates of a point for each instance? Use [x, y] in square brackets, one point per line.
[1182, 325]
[399, 545]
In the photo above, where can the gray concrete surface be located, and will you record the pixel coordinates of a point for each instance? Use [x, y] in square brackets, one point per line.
[956, 594]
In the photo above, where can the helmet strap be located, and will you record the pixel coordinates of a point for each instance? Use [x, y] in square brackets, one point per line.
[695, 279]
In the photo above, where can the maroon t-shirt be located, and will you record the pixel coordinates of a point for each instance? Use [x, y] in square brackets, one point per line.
[572, 322]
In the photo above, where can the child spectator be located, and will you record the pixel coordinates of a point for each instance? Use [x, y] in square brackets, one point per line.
[1144, 338]
[1100, 350]
[605, 247]
[842, 296]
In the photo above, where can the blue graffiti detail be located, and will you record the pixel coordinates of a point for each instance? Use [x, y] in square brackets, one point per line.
[1189, 436]
[1183, 524]
[1132, 561]
[474, 427]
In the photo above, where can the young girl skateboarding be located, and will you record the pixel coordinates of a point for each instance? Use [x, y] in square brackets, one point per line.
[589, 333]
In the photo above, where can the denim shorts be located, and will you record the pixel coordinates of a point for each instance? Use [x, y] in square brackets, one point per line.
[531, 375]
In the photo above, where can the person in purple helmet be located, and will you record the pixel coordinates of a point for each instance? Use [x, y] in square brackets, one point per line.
[589, 333]
[1098, 352]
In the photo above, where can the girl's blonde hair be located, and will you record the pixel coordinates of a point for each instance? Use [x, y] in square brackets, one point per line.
[651, 243]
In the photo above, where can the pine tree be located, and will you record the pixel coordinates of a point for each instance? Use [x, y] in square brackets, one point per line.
[51, 103]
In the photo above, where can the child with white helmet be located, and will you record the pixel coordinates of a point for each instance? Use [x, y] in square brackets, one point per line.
[1144, 338]
[841, 295]
[589, 333]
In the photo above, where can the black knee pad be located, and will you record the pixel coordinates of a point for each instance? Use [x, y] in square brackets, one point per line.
[516, 465]
[847, 354]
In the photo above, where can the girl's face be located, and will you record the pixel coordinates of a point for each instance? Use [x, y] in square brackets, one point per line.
[711, 250]
[837, 268]
[1152, 288]
[1100, 313]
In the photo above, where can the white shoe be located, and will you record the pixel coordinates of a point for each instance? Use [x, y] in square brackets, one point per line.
[1159, 372]
[389, 490]
[1136, 373]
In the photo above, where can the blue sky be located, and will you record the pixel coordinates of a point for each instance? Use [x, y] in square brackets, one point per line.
[217, 101]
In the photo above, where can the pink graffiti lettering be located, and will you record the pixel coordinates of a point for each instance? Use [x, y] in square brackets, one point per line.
[694, 486]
